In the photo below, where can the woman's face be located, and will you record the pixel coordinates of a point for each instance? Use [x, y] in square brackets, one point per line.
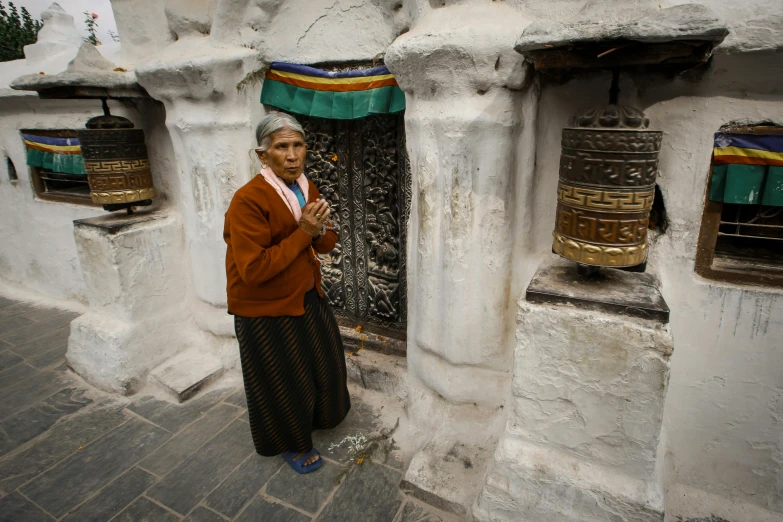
[286, 155]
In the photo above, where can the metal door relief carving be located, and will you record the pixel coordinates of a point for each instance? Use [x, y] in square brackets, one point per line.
[361, 167]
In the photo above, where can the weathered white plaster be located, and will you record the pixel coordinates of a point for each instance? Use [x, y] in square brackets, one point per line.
[754, 25]
[182, 376]
[135, 288]
[485, 156]
[591, 385]
[583, 433]
[211, 125]
[463, 112]
[722, 413]
[38, 252]
[190, 17]
[58, 43]
[311, 31]
[57, 35]
[143, 28]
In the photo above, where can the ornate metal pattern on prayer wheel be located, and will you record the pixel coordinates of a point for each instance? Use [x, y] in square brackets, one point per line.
[116, 161]
[608, 167]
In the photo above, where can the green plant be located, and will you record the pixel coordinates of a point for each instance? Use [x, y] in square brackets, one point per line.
[92, 26]
[17, 29]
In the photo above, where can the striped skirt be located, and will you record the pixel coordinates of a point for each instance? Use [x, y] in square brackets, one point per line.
[295, 378]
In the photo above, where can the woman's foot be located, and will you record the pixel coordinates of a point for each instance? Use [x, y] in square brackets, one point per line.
[303, 462]
[312, 460]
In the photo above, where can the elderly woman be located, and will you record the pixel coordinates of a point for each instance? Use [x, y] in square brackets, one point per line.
[292, 356]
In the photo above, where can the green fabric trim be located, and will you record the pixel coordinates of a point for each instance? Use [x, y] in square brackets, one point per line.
[333, 105]
[773, 190]
[63, 163]
[747, 185]
[718, 184]
[744, 184]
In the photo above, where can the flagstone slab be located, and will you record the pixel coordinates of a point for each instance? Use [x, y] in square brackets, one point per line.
[11, 323]
[262, 509]
[114, 498]
[16, 508]
[59, 442]
[15, 375]
[33, 341]
[360, 420]
[50, 359]
[82, 474]
[37, 338]
[202, 514]
[30, 423]
[8, 359]
[238, 399]
[188, 484]
[243, 484]
[144, 510]
[185, 443]
[34, 388]
[414, 513]
[369, 493]
[307, 492]
[174, 417]
[185, 374]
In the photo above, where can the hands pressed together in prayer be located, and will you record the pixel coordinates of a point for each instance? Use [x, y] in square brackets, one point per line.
[314, 215]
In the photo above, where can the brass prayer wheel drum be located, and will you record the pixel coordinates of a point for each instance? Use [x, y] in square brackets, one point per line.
[608, 167]
[117, 164]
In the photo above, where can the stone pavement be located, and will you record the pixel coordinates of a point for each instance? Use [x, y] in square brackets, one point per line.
[71, 453]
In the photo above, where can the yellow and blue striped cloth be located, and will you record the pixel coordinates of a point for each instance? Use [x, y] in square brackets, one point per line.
[747, 169]
[62, 155]
[338, 95]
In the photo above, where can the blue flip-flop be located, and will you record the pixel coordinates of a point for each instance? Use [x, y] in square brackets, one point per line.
[298, 465]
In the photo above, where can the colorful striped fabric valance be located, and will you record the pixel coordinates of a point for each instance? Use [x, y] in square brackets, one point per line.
[62, 155]
[747, 169]
[340, 95]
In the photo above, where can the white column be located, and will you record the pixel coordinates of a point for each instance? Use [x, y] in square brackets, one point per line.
[462, 81]
[211, 125]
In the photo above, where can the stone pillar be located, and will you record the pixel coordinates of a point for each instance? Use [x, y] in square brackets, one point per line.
[465, 107]
[584, 430]
[462, 84]
[132, 269]
[211, 126]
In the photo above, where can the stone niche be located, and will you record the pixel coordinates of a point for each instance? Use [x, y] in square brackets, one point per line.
[589, 381]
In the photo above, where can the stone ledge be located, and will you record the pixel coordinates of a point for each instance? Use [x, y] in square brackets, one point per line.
[447, 475]
[690, 22]
[531, 482]
[380, 372]
[355, 341]
[611, 291]
[185, 374]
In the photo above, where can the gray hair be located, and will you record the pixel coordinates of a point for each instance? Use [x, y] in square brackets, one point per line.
[273, 122]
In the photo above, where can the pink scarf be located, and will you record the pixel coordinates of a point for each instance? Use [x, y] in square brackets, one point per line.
[286, 193]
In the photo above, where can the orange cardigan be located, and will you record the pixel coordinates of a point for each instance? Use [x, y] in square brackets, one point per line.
[269, 262]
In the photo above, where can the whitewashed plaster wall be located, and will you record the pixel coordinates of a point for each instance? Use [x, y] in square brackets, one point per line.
[725, 400]
[311, 31]
[212, 121]
[38, 252]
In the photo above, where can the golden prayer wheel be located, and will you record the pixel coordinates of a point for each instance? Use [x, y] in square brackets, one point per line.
[116, 161]
[608, 166]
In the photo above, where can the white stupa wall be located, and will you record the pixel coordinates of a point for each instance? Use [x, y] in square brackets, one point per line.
[723, 406]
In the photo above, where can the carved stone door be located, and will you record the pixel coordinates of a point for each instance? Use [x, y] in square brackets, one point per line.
[361, 167]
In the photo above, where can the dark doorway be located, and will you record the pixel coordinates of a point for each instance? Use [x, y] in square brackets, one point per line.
[362, 168]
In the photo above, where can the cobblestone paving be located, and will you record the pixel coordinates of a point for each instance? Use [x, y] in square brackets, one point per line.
[69, 453]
